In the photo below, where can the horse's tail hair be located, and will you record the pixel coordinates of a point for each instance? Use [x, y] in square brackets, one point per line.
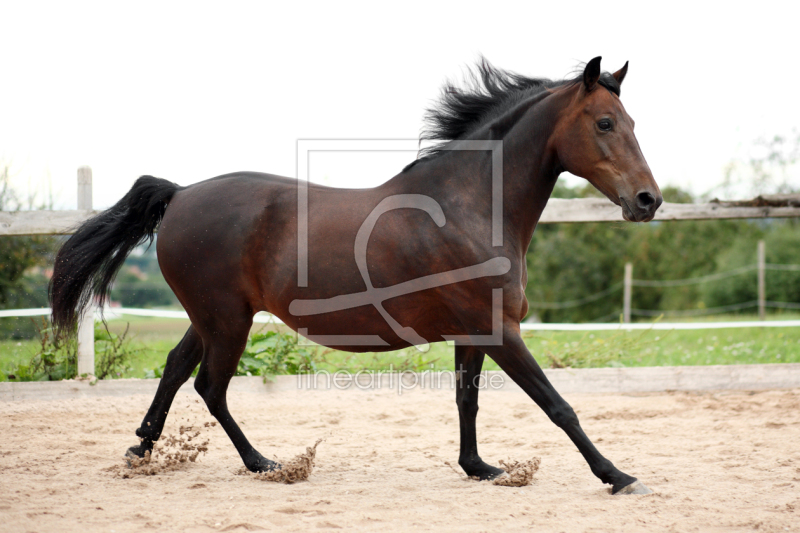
[86, 264]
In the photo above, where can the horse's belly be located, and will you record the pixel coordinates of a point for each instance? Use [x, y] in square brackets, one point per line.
[366, 329]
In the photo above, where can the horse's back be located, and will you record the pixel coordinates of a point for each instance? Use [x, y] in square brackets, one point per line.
[224, 207]
[209, 229]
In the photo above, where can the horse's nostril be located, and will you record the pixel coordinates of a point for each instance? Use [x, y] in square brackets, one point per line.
[645, 200]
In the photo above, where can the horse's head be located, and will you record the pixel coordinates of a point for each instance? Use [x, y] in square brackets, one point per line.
[594, 140]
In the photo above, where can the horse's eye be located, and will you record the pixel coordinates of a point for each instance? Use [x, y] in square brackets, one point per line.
[604, 124]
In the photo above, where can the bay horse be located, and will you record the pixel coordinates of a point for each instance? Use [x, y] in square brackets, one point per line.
[231, 246]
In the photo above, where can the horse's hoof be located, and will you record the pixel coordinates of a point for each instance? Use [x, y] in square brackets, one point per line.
[266, 466]
[134, 451]
[137, 453]
[484, 472]
[637, 487]
[489, 476]
[130, 455]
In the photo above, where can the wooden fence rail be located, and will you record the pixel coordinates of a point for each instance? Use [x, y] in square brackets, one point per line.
[557, 210]
[603, 210]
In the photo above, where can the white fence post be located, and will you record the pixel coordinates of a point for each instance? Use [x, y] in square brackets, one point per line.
[626, 302]
[762, 282]
[86, 320]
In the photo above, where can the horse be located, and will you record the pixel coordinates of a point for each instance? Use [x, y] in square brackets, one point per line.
[435, 253]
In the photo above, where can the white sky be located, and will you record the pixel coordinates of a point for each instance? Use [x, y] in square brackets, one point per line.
[187, 91]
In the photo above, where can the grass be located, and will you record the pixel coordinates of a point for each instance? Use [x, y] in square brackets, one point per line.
[153, 338]
[676, 347]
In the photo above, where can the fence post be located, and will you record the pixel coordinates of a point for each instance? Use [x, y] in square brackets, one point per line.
[762, 282]
[86, 320]
[626, 302]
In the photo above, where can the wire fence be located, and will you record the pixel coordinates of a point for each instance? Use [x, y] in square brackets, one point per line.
[118, 312]
[614, 316]
[267, 318]
[693, 281]
[680, 313]
[576, 303]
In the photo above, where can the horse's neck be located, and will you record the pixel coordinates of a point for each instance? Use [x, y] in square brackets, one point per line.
[530, 170]
[529, 174]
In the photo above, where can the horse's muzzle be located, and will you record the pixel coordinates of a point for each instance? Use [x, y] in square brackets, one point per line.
[643, 207]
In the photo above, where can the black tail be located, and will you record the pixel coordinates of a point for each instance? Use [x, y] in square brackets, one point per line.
[87, 263]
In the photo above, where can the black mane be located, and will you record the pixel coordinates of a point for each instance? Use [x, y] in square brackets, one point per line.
[489, 92]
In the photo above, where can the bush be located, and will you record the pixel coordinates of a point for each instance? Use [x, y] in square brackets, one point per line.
[271, 353]
[57, 357]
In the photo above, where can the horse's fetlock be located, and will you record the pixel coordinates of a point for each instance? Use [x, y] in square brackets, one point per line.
[467, 460]
[610, 474]
[147, 434]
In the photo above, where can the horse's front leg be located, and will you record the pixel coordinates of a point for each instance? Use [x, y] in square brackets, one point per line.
[469, 361]
[515, 359]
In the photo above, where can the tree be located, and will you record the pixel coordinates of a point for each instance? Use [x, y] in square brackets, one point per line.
[22, 258]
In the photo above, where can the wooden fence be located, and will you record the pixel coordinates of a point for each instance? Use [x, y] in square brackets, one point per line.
[557, 211]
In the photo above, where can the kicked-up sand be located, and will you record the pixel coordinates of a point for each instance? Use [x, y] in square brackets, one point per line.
[725, 461]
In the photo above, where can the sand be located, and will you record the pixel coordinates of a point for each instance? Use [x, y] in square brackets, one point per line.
[727, 461]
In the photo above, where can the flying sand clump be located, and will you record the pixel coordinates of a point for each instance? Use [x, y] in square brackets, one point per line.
[518, 474]
[169, 454]
[292, 471]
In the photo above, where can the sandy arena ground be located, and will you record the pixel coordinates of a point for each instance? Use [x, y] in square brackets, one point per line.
[716, 461]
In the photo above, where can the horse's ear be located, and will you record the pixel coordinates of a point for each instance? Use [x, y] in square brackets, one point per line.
[591, 73]
[620, 74]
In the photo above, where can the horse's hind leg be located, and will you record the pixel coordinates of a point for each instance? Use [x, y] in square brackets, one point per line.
[225, 340]
[469, 361]
[182, 360]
